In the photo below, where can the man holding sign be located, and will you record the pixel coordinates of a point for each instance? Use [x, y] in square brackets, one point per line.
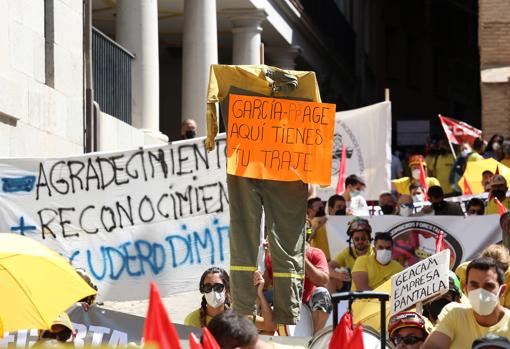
[459, 325]
[279, 139]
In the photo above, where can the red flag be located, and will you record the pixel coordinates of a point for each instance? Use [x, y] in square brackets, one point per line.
[340, 186]
[423, 179]
[356, 341]
[497, 169]
[209, 340]
[458, 132]
[194, 343]
[440, 246]
[501, 208]
[343, 333]
[467, 188]
[158, 329]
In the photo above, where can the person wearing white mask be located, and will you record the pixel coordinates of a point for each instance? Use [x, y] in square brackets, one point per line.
[459, 324]
[415, 162]
[417, 192]
[215, 289]
[371, 271]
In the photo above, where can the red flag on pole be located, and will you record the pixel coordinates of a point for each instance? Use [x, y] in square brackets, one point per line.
[497, 169]
[356, 341]
[423, 178]
[343, 333]
[194, 343]
[340, 186]
[158, 329]
[209, 340]
[458, 132]
[501, 208]
[467, 188]
[440, 246]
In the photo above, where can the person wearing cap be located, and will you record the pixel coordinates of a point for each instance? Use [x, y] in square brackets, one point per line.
[498, 189]
[502, 256]
[408, 330]
[359, 232]
[460, 324]
[369, 272]
[61, 329]
[491, 341]
[401, 185]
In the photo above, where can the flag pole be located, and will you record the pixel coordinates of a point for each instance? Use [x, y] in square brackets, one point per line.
[386, 94]
[451, 148]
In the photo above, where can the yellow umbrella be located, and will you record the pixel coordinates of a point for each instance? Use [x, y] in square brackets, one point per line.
[368, 311]
[474, 170]
[36, 284]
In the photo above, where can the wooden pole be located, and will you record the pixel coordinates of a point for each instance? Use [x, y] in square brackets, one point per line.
[387, 95]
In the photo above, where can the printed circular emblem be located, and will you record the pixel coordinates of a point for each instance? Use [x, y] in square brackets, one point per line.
[416, 240]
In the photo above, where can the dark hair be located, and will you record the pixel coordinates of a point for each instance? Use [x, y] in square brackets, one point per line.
[353, 180]
[487, 171]
[228, 298]
[478, 144]
[383, 236]
[435, 191]
[415, 186]
[486, 263]
[334, 198]
[393, 198]
[232, 330]
[496, 138]
[474, 202]
[312, 201]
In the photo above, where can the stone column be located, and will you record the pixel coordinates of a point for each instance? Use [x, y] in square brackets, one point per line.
[246, 32]
[137, 31]
[199, 51]
[283, 57]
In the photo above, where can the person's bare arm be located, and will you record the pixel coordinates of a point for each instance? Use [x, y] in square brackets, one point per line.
[437, 340]
[265, 322]
[360, 279]
[315, 275]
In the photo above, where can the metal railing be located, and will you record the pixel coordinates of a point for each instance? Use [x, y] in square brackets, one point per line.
[111, 67]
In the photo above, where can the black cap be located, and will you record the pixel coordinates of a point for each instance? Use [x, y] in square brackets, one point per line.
[491, 340]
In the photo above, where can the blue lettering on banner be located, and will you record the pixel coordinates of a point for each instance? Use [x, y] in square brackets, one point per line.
[16, 184]
[140, 257]
[22, 228]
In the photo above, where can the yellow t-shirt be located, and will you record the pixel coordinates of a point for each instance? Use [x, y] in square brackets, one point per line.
[505, 297]
[458, 322]
[444, 165]
[492, 207]
[474, 156]
[344, 258]
[320, 239]
[193, 319]
[377, 273]
[402, 184]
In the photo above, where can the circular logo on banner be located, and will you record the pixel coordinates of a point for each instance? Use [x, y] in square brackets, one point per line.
[416, 240]
[353, 151]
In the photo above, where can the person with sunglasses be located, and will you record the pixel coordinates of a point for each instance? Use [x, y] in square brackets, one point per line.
[216, 298]
[408, 330]
[359, 232]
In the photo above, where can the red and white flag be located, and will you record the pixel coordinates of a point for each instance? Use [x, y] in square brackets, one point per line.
[459, 132]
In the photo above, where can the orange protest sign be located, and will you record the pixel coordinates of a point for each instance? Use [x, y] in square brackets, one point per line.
[280, 139]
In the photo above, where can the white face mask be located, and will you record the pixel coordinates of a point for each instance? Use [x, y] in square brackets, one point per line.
[483, 301]
[355, 193]
[416, 173]
[383, 256]
[405, 211]
[418, 198]
[465, 153]
[215, 299]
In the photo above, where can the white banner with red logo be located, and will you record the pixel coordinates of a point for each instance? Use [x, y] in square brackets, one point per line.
[415, 237]
[459, 132]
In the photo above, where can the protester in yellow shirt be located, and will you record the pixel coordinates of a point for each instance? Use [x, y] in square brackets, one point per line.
[401, 185]
[498, 190]
[501, 255]
[459, 325]
[370, 272]
[442, 166]
[359, 232]
[319, 237]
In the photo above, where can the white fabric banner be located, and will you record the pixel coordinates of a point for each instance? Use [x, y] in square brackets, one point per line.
[127, 217]
[366, 133]
[415, 237]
